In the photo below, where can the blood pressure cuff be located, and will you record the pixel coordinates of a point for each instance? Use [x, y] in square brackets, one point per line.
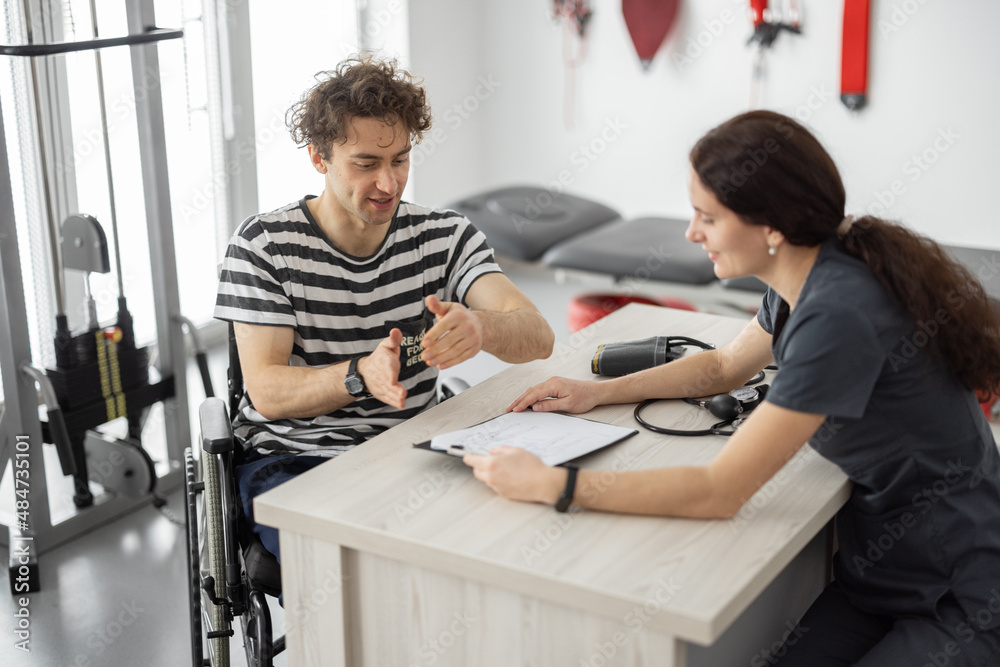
[632, 356]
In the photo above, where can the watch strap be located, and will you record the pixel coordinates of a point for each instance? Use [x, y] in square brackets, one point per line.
[353, 378]
[566, 499]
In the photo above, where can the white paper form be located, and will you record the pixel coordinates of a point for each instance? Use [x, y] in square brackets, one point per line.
[552, 437]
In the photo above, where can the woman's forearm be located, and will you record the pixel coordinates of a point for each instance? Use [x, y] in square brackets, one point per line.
[681, 492]
[699, 374]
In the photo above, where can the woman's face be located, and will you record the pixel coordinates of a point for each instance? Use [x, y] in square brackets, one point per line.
[736, 248]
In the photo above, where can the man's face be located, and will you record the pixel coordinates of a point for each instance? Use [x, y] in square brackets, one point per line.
[367, 172]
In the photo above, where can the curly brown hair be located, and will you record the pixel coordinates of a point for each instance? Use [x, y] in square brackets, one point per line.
[770, 170]
[360, 87]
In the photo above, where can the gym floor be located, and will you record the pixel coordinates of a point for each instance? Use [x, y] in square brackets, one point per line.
[118, 595]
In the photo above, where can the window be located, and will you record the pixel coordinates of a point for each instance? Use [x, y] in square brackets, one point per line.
[70, 112]
[205, 91]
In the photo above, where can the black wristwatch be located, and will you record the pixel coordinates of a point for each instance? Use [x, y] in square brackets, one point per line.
[566, 499]
[354, 382]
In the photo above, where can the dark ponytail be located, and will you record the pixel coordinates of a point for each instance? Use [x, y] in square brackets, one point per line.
[770, 170]
[945, 299]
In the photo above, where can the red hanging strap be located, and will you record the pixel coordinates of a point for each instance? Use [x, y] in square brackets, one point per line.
[766, 27]
[575, 14]
[757, 9]
[854, 57]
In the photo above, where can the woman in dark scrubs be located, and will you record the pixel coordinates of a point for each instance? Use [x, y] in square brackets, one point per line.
[881, 341]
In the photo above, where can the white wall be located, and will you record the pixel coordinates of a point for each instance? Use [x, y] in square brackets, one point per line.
[285, 61]
[446, 50]
[934, 70]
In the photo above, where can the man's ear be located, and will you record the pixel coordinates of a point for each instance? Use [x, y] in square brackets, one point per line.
[316, 158]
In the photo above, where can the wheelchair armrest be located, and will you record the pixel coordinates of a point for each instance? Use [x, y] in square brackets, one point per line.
[451, 386]
[216, 430]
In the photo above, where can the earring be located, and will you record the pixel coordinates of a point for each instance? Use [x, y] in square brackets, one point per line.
[771, 250]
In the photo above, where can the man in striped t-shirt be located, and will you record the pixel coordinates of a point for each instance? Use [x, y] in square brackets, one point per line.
[346, 305]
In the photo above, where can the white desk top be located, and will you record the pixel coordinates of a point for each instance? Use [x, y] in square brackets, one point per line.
[425, 508]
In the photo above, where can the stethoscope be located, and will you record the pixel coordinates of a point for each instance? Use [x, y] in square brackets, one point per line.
[732, 408]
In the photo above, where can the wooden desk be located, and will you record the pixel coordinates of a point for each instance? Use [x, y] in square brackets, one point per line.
[395, 556]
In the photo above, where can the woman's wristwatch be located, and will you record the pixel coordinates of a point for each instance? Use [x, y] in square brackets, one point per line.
[566, 499]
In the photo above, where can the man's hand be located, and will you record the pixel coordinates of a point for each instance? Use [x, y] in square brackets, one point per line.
[380, 370]
[455, 337]
[557, 393]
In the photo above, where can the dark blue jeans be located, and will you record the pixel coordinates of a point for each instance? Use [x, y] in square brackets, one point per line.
[834, 633]
[262, 473]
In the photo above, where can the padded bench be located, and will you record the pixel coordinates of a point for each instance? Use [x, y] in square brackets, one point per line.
[645, 249]
[523, 221]
[748, 283]
[983, 263]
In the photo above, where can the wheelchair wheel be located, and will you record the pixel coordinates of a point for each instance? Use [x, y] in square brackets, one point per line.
[213, 561]
[257, 632]
[191, 491]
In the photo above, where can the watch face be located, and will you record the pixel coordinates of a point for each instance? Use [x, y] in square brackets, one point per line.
[355, 385]
[744, 394]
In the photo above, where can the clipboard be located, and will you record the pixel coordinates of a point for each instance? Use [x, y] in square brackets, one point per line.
[554, 437]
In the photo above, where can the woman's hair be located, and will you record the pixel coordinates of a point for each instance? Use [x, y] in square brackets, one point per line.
[770, 170]
[363, 88]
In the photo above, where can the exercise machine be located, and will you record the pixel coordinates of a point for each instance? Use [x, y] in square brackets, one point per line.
[100, 373]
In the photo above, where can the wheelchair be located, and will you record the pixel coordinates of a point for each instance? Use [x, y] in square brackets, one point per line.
[230, 572]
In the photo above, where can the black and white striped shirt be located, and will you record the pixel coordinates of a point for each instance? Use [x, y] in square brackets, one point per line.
[281, 270]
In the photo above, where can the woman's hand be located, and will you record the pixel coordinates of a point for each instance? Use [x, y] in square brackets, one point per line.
[517, 474]
[562, 394]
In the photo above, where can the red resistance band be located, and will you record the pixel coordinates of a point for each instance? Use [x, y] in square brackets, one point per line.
[854, 57]
[757, 9]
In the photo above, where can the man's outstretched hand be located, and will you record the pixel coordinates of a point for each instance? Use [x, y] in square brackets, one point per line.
[380, 370]
[456, 336]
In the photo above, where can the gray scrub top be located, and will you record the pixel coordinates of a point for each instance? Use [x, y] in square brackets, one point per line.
[923, 520]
